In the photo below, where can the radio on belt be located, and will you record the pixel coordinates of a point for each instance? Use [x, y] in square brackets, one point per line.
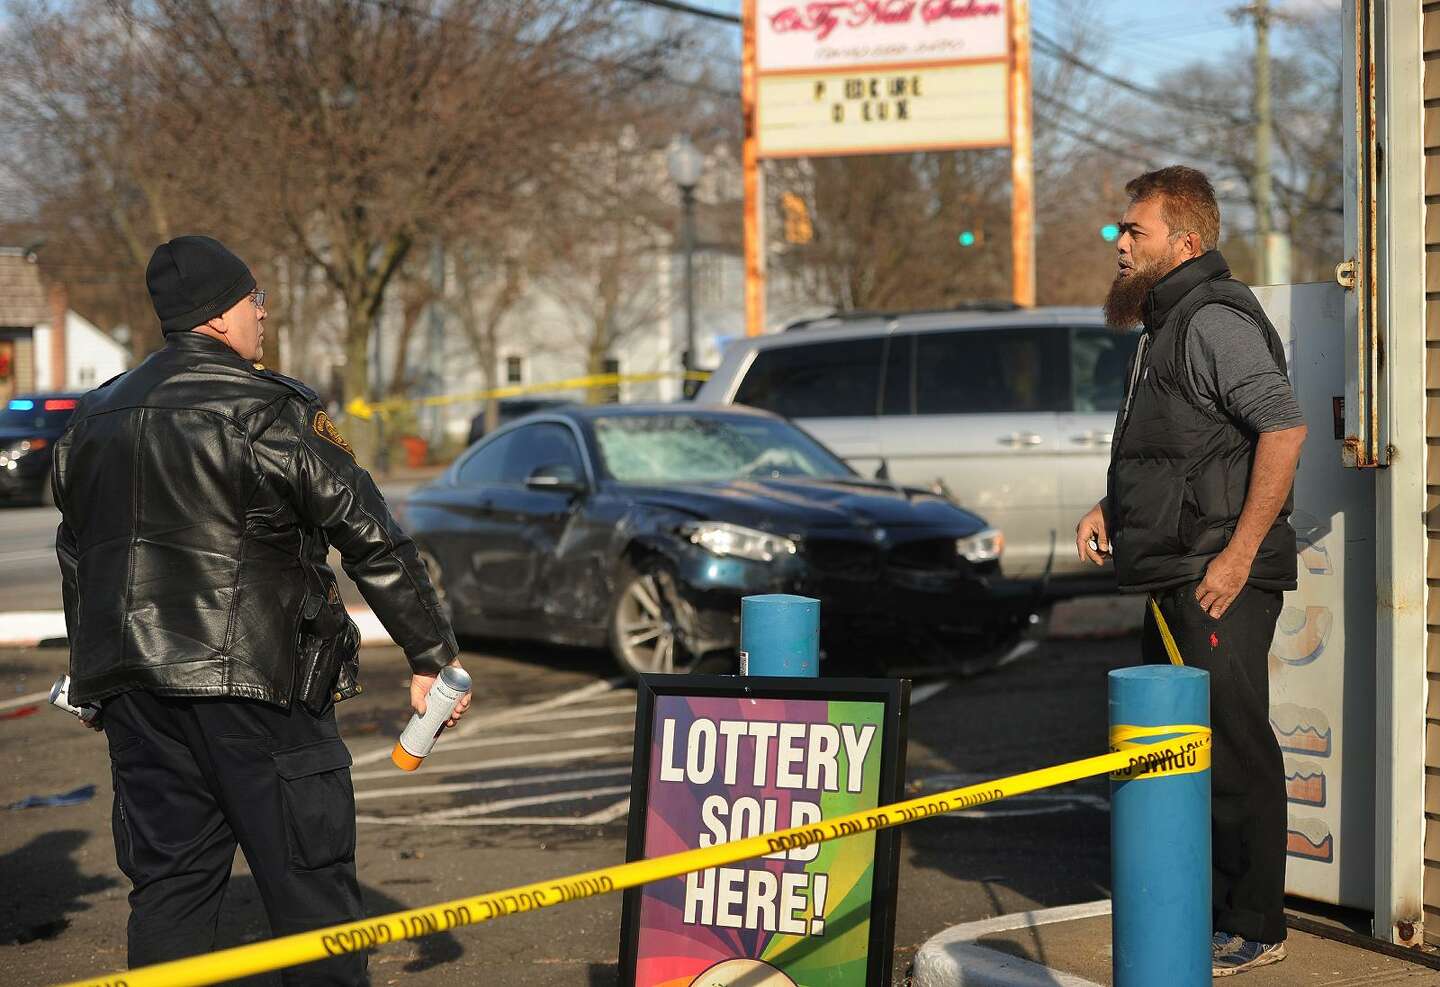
[60, 699]
[420, 734]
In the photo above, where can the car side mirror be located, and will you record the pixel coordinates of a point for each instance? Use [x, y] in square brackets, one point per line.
[558, 478]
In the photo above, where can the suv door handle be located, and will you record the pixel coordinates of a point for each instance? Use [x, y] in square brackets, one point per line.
[1021, 439]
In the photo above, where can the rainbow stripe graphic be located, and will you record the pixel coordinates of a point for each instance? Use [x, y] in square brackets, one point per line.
[832, 951]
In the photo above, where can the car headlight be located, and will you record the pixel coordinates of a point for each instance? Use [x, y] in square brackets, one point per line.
[983, 546]
[734, 541]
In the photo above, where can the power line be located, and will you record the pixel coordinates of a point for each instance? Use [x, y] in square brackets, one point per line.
[1161, 142]
[646, 74]
[685, 8]
[1055, 50]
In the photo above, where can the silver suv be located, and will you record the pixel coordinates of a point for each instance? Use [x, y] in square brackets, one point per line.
[1010, 411]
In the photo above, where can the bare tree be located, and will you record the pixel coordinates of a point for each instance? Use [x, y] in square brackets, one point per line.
[337, 132]
[604, 251]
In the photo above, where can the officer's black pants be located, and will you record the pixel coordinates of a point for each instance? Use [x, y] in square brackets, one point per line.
[1247, 776]
[194, 778]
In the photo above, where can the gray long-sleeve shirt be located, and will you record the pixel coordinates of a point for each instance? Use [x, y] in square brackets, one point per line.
[1233, 372]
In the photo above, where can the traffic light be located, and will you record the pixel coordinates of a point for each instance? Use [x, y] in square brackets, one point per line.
[1110, 232]
[798, 228]
[971, 238]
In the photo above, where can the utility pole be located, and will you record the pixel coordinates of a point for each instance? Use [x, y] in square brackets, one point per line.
[1272, 252]
[1261, 12]
[436, 338]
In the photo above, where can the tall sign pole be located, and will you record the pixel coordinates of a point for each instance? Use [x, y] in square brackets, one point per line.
[896, 77]
[754, 180]
[1022, 159]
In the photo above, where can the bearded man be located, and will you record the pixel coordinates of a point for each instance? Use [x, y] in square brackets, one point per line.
[1197, 516]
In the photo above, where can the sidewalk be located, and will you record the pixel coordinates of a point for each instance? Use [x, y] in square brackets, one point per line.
[1070, 947]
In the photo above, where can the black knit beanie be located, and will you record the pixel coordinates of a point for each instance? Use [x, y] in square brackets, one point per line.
[192, 279]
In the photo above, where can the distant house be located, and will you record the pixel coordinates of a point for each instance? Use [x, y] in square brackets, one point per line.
[22, 307]
[33, 355]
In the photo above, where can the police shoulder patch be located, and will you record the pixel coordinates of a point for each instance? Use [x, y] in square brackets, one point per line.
[326, 429]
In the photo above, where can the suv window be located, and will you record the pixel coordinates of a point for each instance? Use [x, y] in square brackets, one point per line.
[1099, 359]
[533, 446]
[990, 370]
[819, 380]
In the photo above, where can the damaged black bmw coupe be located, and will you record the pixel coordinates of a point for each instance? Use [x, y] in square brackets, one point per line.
[641, 527]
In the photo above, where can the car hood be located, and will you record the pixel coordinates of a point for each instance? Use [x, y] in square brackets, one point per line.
[796, 506]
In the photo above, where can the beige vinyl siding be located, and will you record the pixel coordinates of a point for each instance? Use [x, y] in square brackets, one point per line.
[24, 373]
[1432, 469]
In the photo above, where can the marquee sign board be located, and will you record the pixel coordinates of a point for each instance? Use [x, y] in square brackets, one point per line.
[840, 77]
[718, 759]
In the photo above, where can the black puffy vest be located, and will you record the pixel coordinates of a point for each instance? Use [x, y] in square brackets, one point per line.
[1179, 473]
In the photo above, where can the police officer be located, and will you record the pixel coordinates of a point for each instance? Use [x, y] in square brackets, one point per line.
[200, 494]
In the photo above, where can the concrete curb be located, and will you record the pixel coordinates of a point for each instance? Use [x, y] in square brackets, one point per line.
[953, 959]
[28, 628]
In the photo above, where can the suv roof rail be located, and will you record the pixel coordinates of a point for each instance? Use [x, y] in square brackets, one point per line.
[856, 315]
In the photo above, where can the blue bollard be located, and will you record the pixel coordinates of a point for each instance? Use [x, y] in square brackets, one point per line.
[780, 635]
[1160, 836]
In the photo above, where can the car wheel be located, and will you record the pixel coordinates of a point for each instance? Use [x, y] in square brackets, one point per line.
[437, 579]
[643, 635]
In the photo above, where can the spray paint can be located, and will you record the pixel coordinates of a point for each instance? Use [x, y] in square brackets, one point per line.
[421, 732]
[60, 699]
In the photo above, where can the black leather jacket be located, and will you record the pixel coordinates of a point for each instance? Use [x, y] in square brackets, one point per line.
[200, 494]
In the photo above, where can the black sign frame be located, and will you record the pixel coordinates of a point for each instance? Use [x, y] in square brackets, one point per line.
[893, 694]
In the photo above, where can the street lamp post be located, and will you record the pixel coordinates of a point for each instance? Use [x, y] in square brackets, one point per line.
[686, 163]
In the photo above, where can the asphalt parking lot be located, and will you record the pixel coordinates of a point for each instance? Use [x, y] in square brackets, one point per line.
[534, 783]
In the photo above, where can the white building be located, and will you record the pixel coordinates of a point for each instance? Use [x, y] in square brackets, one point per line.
[88, 356]
[32, 356]
[546, 335]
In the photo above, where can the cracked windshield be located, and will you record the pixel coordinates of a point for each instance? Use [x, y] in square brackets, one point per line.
[690, 449]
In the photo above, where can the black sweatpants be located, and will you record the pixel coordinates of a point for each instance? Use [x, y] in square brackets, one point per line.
[1247, 775]
[194, 778]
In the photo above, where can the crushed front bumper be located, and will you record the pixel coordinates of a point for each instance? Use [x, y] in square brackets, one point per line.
[919, 617]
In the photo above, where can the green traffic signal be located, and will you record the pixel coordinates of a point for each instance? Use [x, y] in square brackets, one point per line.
[1110, 232]
[967, 238]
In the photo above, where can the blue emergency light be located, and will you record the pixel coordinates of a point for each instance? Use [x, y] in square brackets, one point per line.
[22, 404]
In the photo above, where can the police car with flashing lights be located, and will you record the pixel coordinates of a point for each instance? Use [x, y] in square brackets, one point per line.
[30, 424]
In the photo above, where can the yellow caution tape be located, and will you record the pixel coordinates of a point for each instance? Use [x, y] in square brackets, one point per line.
[336, 940]
[360, 408]
[1171, 648]
[1157, 760]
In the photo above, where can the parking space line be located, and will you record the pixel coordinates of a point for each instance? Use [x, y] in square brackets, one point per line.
[528, 738]
[546, 715]
[490, 808]
[28, 555]
[927, 691]
[27, 628]
[34, 697]
[504, 762]
[468, 726]
[492, 821]
[471, 786]
[611, 813]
